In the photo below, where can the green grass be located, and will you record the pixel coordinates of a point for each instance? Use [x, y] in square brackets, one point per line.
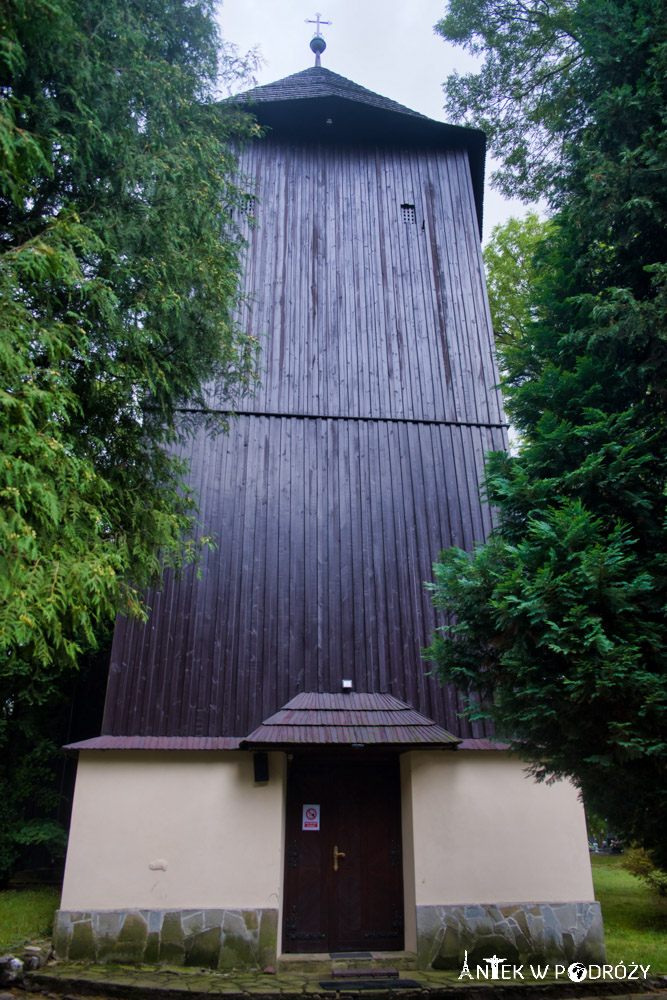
[635, 921]
[26, 915]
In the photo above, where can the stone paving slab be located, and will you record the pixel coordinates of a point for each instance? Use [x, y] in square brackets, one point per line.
[150, 983]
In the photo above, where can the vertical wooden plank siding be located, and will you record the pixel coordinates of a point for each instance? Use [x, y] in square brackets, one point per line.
[360, 313]
[325, 580]
[358, 459]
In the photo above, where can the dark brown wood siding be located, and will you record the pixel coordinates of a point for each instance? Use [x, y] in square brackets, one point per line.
[359, 312]
[356, 462]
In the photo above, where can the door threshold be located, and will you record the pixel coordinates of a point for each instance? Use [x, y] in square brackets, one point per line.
[325, 961]
[350, 954]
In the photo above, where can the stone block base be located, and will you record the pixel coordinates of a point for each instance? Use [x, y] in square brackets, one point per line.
[518, 932]
[214, 939]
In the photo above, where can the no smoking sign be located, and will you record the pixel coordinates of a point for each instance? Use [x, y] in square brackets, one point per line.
[310, 817]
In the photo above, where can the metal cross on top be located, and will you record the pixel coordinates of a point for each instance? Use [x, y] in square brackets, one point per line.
[317, 44]
[318, 22]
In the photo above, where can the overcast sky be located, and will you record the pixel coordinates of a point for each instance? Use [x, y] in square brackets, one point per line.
[389, 47]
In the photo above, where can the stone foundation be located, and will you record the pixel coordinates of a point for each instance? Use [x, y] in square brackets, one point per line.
[518, 932]
[214, 939]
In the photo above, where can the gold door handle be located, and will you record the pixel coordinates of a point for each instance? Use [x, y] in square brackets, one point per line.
[337, 854]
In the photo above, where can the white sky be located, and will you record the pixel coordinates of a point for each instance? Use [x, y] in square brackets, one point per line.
[389, 47]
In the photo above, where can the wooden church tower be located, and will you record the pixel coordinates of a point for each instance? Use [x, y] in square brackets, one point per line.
[278, 773]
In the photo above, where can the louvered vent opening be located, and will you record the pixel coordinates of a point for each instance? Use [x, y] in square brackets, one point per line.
[408, 213]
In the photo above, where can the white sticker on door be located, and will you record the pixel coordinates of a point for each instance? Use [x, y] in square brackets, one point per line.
[310, 817]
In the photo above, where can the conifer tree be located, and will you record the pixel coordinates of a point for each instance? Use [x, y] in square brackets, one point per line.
[557, 626]
[119, 264]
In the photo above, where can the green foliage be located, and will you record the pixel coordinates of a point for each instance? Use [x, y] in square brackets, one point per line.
[548, 66]
[511, 274]
[557, 627]
[35, 776]
[29, 797]
[596, 827]
[116, 287]
[640, 864]
[119, 266]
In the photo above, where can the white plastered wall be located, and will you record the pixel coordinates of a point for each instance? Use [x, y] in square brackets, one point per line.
[171, 830]
[485, 832]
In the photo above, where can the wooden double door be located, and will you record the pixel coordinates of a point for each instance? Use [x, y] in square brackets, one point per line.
[343, 859]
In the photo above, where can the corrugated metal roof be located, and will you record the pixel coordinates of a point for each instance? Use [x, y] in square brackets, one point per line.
[157, 743]
[338, 719]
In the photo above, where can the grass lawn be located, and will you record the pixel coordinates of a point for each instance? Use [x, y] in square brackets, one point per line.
[26, 915]
[635, 922]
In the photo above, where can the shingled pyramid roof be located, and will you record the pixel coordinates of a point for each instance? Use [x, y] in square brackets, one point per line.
[316, 81]
[330, 719]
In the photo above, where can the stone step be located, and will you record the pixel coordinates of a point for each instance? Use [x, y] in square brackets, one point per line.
[364, 972]
[385, 963]
[311, 964]
[329, 963]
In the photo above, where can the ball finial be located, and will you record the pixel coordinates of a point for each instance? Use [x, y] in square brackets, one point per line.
[318, 45]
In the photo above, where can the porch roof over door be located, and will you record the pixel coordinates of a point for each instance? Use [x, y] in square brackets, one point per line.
[355, 718]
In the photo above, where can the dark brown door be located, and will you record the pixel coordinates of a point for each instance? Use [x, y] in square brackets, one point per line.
[343, 881]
